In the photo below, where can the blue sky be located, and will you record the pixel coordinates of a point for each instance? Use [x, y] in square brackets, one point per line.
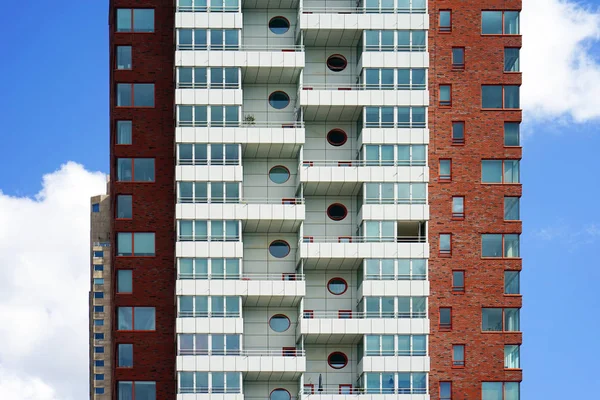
[54, 108]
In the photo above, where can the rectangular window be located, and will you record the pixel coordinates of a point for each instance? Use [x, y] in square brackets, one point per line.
[445, 95]
[98, 281]
[445, 244]
[98, 377]
[135, 94]
[511, 59]
[138, 390]
[198, 39]
[387, 269]
[458, 132]
[500, 171]
[209, 306]
[196, 116]
[512, 136]
[98, 322]
[135, 170]
[458, 207]
[99, 363]
[139, 244]
[98, 336]
[445, 390]
[388, 40]
[458, 281]
[124, 281]
[500, 391]
[512, 282]
[136, 319]
[95, 207]
[124, 132]
[125, 355]
[500, 96]
[390, 78]
[512, 357]
[98, 254]
[511, 209]
[98, 295]
[445, 170]
[98, 349]
[458, 58]
[500, 320]
[500, 22]
[500, 245]
[99, 390]
[124, 206]
[445, 21]
[123, 56]
[458, 355]
[98, 309]
[98, 267]
[139, 20]
[445, 318]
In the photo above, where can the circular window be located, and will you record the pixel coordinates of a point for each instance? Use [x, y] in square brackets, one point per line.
[279, 25]
[279, 100]
[337, 360]
[336, 137]
[337, 211]
[279, 323]
[279, 174]
[279, 248]
[337, 286]
[337, 62]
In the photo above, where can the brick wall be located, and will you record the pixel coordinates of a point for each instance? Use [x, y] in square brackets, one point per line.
[484, 60]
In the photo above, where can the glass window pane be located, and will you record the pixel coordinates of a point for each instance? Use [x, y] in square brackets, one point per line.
[143, 20]
[491, 245]
[185, 38]
[125, 355]
[144, 319]
[124, 318]
[125, 390]
[491, 319]
[124, 244]
[387, 345]
[124, 171]
[418, 38]
[124, 132]
[216, 77]
[143, 94]
[491, 96]
[511, 59]
[491, 171]
[511, 356]
[143, 170]
[418, 117]
[511, 282]
[124, 281]
[511, 96]
[372, 77]
[123, 95]
[511, 134]
[491, 22]
[143, 244]
[124, 206]
[373, 343]
[418, 77]
[145, 390]
[404, 78]
[123, 20]
[200, 38]
[511, 319]
[511, 208]
[445, 19]
[123, 55]
[387, 78]
[511, 22]
[458, 56]
[511, 246]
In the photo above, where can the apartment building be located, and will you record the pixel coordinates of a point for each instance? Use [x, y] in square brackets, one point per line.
[314, 199]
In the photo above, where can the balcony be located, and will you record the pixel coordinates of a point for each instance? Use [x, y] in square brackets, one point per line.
[400, 363]
[322, 178]
[256, 290]
[335, 392]
[221, 17]
[400, 210]
[201, 323]
[393, 288]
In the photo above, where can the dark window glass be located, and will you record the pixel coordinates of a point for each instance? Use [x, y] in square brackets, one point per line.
[511, 96]
[458, 57]
[511, 134]
[279, 100]
[124, 206]
[337, 62]
[124, 95]
[279, 249]
[337, 212]
[445, 21]
[95, 207]
[337, 137]
[143, 95]
[143, 20]
[491, 22]
[511, 59]
[445, 317]
[123, 57]
[337, 286]
[491, 96]
[124, 281]
[337, 360]
[125, 355]
[279, 25]
[458, 281]
[124, 132]
[143, 169]
[279, 174]
[458, 132]
[491, 319]
[279, 323]
[491, 245]
[511, 282]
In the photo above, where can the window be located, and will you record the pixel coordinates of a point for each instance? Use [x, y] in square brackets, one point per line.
[205, 154]
[280, 394]
[445, 95]
[279, 100]
[98, 281]
[458, 58]
[394, 117]
[201, 6]
[125, 355]
[511, 208]
[124, 207]
[445, 170]
[512, 282]
[511, 134]
[379, 231]
[138, 390]
[337, 212]
[98, 295]
[337, 360]
[98, 322]
[124, 132]
[337, 137]
[99, 390]
[458, 355]
[98, 309]
[279, 249]
[445, 244]
[500, 391]
[511, 59]
[99, 254]
[124, 281]
[500, 245]
[390, 269]
[136, 318]
[139, 244]
[198, 230]
[123, 54]
[337, 286]
[512, 358]
[389, 193]
[389, 6]
[135, 169]
[458, 281]
[395, 383]
[500, 96]
[458, 132]
[279, 323]
[137, 20]
[445, 21]
[390, 78]
[202, 116]
[209, 192]
[208, 39]
[213, 268]
[279, 25]
[500, 22]
[209, 306]
[96, 207]
[337, 62]
[401, 155]
[98, 349]
[99, 363]
[209, 382]
[445, 390]
[396, 307]
[99, 336]
[407, 345]
[204, 344]
[500, 319]
[197, 78]
[445, 318]
[388, 40]
[458, 207]
[98, 267]
[135, 94]
[500, 171]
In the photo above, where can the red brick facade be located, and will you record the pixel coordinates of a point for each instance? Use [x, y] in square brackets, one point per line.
[153, 203]
[484, 278]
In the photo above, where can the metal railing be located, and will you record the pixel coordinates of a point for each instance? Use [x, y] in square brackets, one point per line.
[336, 390]
[363, 163]
[401, 125]
[206, 390]
[347, 314]
[208, 85]
[207, 238]
[395, 353]
[396, 201]
[209, 124]
[205, 161]
[237, 200]
[240, 47]
[395, 277]
[363, 239]
[239, 124]
[244, 277]
[399, 47]
[363, 10]
[243, 353]
[219, 9]
[360, 86]
[101, 244]
[209, 314]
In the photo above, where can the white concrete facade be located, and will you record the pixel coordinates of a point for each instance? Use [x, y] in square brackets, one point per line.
[293, 258]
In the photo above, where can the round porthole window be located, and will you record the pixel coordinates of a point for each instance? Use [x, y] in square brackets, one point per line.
[337, 360]
[279, 248]
[279, 100]
[337, 286]
[337, 62]
[337, 137]
[337, 212]
[279, 323]
[279, 174]
[279, 25]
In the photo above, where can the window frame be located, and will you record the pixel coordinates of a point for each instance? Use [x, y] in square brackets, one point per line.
[449, 383]
[518, 273]
[445, 103]
[459, 289]
[445, 28]
[117, 123]
[503, 246]
[118, 358]
[456, 363]
[132, 20]
[444, 178]
[445, 252]
[503, 387]
[455, 214]
[518, 63]
[458, 66]
[445, 326]
[133, 385]
[117, 47]
[117, 207]
[503, 181]
[133, 245]
[518, 368]
[503, 331]
[503, 24]
[455, 140]
[518, 123]
[518, 209]
[133, 308]
[503, 86]
[132, 99]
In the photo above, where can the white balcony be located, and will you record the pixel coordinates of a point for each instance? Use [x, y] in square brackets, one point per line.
[393, 59]
[209, 249]
[393, 136]
[359, 394]
[393, 288]
[273, 290]
[208, 17]
[393, 363]
[209, 325]
[400, 212]
[258, 139]
[192, 96]
[219, 173]
[210, 396]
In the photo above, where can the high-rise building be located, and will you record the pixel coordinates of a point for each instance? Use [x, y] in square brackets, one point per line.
[314, 198]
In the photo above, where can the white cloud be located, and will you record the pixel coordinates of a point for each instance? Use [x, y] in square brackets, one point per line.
[561, 77]
[44, 284]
